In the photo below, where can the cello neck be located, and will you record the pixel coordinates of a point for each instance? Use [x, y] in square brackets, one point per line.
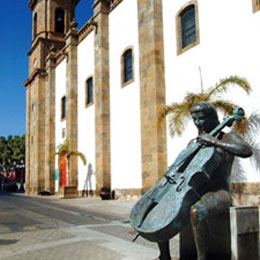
[238, 115]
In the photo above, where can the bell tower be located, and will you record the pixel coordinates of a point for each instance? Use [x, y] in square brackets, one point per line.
[51, 21]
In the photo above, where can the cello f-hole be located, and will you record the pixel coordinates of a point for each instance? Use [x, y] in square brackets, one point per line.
[179, 187]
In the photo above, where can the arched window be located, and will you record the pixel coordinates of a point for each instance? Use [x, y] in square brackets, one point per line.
[59, 20]
[63, 108]
[89, 91]
[35, 25]
[127, 66]
[187, 27]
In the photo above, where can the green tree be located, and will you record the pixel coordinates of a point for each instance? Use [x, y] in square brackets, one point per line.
[12, 153]
[179, 113]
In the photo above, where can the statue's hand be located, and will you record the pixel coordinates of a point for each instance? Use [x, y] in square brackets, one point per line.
[207, 140]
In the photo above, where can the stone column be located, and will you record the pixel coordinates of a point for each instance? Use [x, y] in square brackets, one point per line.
[244, 232]
[72, 102]
[27, 139]
[152, 89]
[50, 124]
[102, 98]
[39, 134]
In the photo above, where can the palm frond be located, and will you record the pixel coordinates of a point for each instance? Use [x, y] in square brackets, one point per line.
[238, 173]
[77, 153]
[222, 86]
[193, 98]
[178, 114]
[225, 106]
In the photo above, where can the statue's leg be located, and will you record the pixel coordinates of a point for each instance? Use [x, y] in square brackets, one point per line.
[164, 248]
[210, 204]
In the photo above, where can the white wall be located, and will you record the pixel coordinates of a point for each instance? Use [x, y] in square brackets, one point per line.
[229, 45]
[86, 115]
[124, 102]
[60, 83]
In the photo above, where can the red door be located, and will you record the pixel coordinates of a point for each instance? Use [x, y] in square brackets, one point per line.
[63, 172]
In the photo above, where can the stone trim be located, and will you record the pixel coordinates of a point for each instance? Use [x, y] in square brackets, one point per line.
[246, 193]
[115, 4]
[85, 31]
[36, 72]
[180, 50]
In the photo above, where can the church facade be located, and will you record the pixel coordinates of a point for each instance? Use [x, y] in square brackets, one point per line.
[102, 86]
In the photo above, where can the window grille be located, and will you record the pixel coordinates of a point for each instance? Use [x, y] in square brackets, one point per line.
[128, 65]
[188, 27]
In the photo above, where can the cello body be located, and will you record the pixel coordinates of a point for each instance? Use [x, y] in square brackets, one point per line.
[163, 210]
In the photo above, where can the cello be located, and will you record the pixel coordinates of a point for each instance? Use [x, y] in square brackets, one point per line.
[163, 210]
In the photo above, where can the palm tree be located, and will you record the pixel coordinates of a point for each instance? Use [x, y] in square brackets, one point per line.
[64, 150]
[250, 131]
[179, 113]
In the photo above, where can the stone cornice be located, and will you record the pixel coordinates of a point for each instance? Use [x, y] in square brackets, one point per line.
[36, 72]
[115, 4]
[32, 3]
[35, 44]
[85, 31]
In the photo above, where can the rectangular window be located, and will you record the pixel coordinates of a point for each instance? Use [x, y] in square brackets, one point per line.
[89, 91]
[128, 65]
[188, 27]
[63, 108]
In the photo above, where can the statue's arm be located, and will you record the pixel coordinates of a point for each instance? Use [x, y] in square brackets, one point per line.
[231, 142]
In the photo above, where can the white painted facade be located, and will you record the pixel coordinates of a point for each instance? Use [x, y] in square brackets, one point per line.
[229, 45]
[60, 83]
[126, 171]
[86, 115]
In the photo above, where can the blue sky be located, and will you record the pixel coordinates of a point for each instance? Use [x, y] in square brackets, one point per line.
[15, 43]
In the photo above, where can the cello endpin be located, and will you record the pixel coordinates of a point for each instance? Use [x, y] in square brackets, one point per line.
[137, 235]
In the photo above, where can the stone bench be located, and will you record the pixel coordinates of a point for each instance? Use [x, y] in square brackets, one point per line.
[234, 235]
[70, 192]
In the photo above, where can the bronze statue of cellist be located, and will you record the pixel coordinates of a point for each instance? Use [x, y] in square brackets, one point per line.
[216, 198]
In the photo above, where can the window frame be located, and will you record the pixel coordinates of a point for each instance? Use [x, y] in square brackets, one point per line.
[125, 82]
[181, 12]
[87, 104]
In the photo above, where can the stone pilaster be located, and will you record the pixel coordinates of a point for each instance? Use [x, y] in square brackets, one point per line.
[50, 124]
[41, 131]
[152, 89]
[102, 99]
[27, 139]
[72, 102]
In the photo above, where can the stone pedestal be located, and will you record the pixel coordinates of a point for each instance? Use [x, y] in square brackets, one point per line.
[245, 233]
[70, 192]
[219, 244]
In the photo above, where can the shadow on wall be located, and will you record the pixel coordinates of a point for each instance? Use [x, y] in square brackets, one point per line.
[88, 186]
